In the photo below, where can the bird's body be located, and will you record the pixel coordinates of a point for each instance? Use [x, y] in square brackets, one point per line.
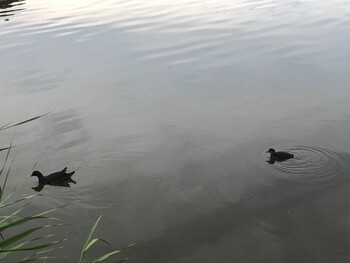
[279, 156]
[54, 178]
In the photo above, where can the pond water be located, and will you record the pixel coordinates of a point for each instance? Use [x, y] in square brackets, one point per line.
[165, 110]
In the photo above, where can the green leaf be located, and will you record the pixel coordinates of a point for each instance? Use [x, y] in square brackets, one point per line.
[123, 260]
[2, 168]
[29, 260]
[17, 248]
[5, 254]
[18, 222]
[7, 126]
[93, 241]
[6, 218]
[28, 218]
[32, 248]
[16, 201]
[3, 149]
[106, 256]
[87, 241]
[18, 185]
[2, 127]
[32, 259]
[17, 237]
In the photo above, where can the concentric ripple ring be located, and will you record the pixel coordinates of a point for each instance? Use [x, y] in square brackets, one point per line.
[312, 164]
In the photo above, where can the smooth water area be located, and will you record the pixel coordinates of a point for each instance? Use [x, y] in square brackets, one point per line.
[165, 110]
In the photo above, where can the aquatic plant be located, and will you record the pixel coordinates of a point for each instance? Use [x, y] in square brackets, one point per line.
[89, 242]
[21, 241]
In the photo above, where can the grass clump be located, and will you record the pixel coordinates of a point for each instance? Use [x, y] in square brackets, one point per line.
[35, 248]
[90, 241]
[21, 240]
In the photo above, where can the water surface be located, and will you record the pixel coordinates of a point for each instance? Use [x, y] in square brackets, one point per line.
[165, 110]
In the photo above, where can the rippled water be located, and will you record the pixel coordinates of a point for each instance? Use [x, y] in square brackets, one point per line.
[165, 110]
[312, 163]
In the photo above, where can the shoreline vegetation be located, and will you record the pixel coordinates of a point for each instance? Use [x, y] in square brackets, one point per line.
[19, 239]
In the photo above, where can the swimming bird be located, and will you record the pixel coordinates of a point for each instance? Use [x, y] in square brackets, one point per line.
[54, 178]
[279, 156]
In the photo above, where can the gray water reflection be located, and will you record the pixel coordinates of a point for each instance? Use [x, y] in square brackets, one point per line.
[232, 232]
[165, 110]
[220, 208]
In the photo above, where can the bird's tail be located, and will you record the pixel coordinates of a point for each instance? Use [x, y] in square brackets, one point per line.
[72, 181]
[70, 174]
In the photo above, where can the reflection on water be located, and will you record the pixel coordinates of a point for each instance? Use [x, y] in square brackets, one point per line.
[168, 108]
[65, 183]
[226, 206]
[11, 7]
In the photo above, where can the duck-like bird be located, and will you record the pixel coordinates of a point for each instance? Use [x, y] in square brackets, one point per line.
[54, 178]
[279, 156]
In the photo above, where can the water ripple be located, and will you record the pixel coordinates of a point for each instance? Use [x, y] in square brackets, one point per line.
[191, 31]
[312, 164]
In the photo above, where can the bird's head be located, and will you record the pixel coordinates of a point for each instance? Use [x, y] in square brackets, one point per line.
[37, 174]
[271, 150]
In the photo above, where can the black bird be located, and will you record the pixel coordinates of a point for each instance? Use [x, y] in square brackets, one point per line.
[54, 178]
[278, 156]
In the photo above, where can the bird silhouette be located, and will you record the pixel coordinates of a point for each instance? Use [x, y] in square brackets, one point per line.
[55, 178]
[278, 156]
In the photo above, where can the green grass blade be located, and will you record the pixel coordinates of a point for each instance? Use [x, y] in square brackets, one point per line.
[16, 248]
[4, 184]
[4, 126]
[133, 244]
[36, 163]
[88, 239]
[7, 126]
[32, 248]
[5, 181]
[32, 259]
[18, 237]
[6, 218]
[28, 218]
[51, 210]
[2, 204]
[29, 260]
[19, 247]
[93, 241]
[5, 254]
[2, 169]
[5, 160]
[3, 149]
[106, 256]
[18, 185]
[18, 222]
[43, 251]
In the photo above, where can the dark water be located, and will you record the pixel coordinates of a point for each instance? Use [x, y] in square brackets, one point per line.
[165, 110]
